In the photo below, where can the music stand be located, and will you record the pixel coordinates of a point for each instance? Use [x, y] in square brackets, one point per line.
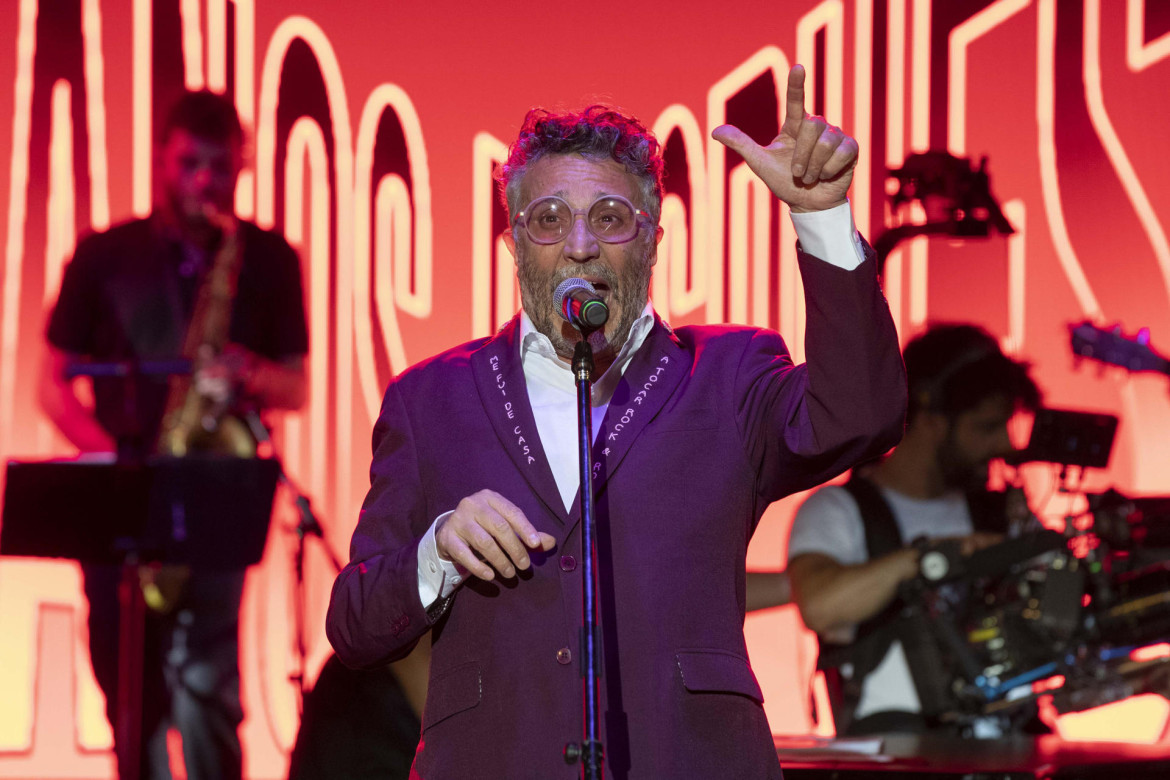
[208, 512]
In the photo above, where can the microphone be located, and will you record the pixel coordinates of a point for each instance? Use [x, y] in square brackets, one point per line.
[578, 302]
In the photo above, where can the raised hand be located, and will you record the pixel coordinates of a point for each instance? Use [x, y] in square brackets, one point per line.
[487, 534]
[809, 165]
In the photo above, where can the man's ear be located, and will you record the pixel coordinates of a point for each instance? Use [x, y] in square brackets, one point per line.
[658, 235]
[510, 242]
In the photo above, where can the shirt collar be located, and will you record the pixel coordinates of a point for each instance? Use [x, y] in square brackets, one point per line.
[536, 345]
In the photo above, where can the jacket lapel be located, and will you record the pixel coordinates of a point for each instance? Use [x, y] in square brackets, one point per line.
[651, 378]
[499, 378]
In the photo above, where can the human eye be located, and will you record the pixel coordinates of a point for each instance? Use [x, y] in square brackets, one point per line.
[547, 219]
[547, 212]
[610, 216]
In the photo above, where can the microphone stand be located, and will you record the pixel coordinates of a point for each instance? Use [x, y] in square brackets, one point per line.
[307, 525]
[590, 751]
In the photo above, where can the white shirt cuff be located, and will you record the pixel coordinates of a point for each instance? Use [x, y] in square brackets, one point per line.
[830, 236]
[437, 578]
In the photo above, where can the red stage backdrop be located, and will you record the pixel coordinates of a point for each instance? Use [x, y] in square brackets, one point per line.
[374, 128]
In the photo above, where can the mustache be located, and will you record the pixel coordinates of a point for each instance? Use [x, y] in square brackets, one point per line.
[594, 271]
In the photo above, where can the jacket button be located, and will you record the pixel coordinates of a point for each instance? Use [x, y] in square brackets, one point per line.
[564, 655]
[568, 563]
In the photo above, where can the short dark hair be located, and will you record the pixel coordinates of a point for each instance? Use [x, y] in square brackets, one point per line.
[953, 367]
[206, 115]
[597, 132]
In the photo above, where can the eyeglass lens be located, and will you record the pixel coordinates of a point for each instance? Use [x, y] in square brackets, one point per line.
[609, 219]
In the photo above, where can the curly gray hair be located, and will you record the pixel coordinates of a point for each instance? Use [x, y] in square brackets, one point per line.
[597, 132]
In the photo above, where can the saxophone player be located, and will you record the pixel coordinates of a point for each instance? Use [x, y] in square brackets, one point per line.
[190, 280]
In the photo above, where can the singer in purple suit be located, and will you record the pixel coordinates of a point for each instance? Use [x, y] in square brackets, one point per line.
[471, 528]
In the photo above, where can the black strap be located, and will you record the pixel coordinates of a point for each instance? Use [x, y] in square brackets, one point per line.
[882, 537]
[874, 636]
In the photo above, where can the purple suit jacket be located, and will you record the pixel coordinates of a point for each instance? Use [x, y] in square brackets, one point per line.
[707, 427]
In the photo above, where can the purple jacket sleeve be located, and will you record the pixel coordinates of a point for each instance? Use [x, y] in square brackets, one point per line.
[375, 614]
[846, 404]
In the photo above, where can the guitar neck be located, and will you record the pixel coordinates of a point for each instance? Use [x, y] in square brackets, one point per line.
[1133, 353]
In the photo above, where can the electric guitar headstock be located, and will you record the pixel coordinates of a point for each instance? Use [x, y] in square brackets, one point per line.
[1110, 345]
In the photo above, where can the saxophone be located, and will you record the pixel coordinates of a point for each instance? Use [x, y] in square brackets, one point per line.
[193, 421]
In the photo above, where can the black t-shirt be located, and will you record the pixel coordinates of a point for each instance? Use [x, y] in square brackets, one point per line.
[128, 293]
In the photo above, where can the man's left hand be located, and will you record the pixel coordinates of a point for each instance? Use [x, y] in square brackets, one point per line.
[809, 165]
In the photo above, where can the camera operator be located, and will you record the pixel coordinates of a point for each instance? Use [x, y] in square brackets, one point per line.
[853, 546]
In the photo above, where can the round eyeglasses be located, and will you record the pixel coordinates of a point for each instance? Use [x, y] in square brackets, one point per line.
[610, 218]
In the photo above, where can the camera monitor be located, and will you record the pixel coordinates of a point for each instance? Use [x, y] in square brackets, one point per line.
[1071, 438]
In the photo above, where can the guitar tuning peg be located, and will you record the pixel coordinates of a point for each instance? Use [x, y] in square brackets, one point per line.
[1116, 329]
[1143, 337]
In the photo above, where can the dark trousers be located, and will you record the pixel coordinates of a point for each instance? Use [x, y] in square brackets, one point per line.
[190, 671]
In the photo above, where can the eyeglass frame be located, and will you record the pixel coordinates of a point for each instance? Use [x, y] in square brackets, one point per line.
[641, 216]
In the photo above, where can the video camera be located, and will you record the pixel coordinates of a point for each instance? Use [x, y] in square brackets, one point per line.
[1079, 614]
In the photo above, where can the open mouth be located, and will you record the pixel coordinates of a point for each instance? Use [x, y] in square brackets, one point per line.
[601, 287]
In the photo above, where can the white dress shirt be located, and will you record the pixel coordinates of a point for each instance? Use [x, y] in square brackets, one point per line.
[828, 235]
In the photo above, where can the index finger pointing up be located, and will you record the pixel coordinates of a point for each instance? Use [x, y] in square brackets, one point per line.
[794, 102]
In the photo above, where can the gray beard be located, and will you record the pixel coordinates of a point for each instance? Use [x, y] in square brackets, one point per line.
[628, 292]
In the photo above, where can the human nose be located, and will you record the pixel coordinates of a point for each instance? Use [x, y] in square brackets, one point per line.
[580, 244]
[203, 176]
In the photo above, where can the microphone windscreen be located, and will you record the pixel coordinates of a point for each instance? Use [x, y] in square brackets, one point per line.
[566, 287]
